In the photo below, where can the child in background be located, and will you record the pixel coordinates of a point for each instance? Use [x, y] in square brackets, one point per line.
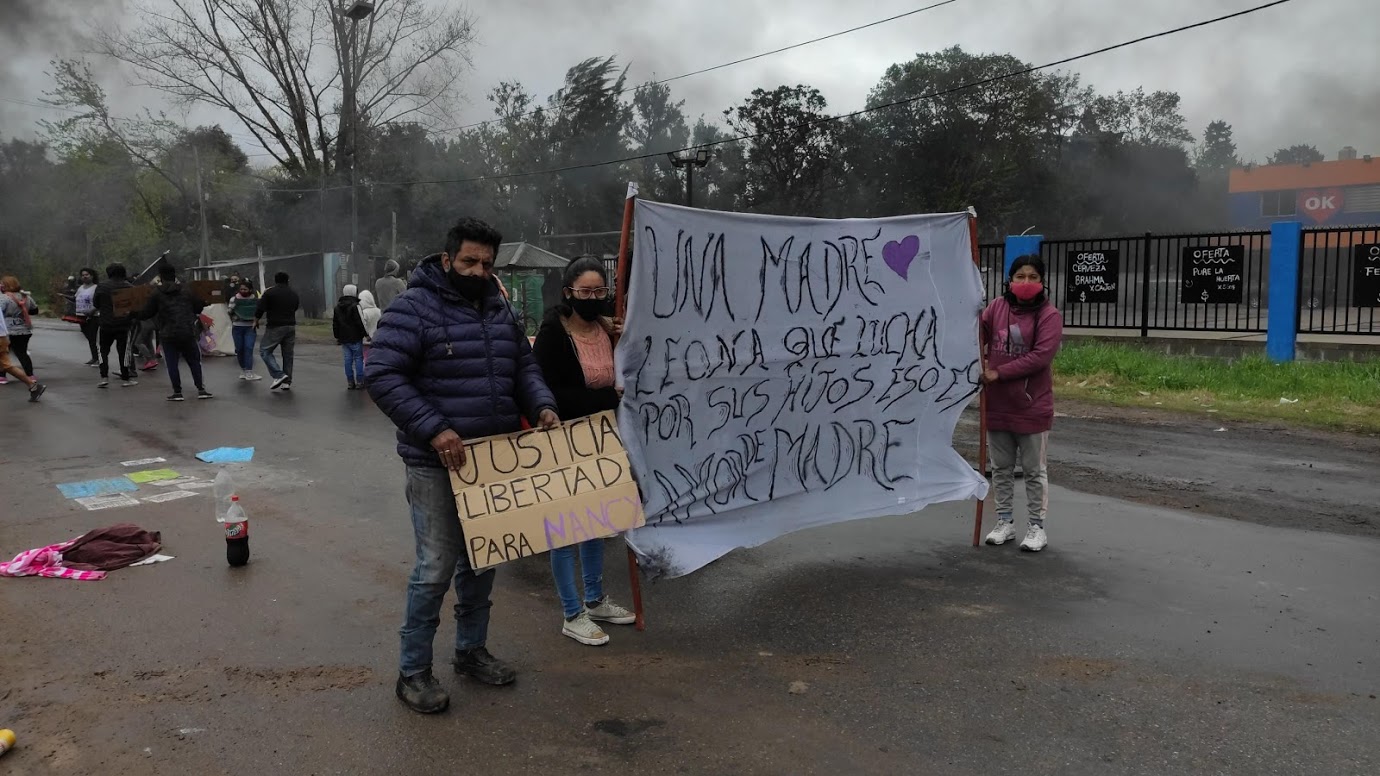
[348, 328]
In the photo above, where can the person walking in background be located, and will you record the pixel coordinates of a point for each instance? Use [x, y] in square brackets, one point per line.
[279, 305]
[449, 364]
[84, 307]
[114, 329]
[347, 325]
[18, 307]
[574, 348]
[390, 285]
[176, 314]
[1021, 332]
[244, 305]
[370, 314]
[36, 388]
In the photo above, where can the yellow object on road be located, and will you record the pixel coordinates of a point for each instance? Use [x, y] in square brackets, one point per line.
[6, 741]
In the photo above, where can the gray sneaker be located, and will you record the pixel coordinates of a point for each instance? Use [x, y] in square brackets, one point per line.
[1003, 533]
[583, 630]
[608, 611]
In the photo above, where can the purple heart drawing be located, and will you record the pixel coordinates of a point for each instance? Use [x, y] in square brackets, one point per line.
[899, 255]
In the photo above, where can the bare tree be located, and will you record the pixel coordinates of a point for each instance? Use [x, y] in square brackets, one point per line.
[262, 60]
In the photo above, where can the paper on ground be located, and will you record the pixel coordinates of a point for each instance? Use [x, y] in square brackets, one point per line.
[227, 455]
[107, 502]
[89, 488]
[170, 495]
[183, 480]
[197, 485]
[143, 461]
[152, 559]
[152, 475]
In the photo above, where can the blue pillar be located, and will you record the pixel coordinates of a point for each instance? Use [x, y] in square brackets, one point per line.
[1286, 241]
[1017, 246]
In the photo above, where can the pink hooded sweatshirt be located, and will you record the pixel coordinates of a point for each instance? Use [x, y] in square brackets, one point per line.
[1021, 343]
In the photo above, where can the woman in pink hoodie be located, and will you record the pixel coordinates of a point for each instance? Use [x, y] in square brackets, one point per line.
[1021, 332]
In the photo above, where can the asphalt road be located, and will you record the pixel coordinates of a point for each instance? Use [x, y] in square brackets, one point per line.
[1144, 641]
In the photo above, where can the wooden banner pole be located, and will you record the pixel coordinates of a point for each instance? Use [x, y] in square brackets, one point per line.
[982, 393]
[620, 309]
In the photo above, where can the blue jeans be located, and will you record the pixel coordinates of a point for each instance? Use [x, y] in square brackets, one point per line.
[563, 569]
[274, 336]
[354, 362]
[244, 337]
[440, 556]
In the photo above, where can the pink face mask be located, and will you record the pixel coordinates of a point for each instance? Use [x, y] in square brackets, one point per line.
[1026, 290]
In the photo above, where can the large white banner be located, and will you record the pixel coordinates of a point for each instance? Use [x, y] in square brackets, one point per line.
[781, 373]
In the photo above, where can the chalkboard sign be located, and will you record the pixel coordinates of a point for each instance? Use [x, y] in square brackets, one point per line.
[1092, 277]
[1211, 275]
[1365, 278]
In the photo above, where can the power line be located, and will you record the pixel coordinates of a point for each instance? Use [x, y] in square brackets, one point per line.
[840, 117]
[711, 69]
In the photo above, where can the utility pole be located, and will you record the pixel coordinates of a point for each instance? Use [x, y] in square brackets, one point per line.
[201, 208]
[393, 251]
[355, 11]
[689, 160]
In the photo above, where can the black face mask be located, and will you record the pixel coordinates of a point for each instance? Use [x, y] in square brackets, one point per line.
[589, 309]
[472, 287]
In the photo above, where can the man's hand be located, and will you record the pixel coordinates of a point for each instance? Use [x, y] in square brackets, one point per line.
[548, 420]
[617, 328]
[990, 376]
[451, 448]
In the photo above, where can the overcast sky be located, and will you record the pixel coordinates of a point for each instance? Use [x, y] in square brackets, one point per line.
[1304, 72]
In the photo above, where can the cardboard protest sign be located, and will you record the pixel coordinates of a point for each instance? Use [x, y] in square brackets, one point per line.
[208, 291]
[782, 373]
[127, 301]
[534, 491]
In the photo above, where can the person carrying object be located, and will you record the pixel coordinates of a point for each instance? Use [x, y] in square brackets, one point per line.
[449, 364]
[177, 315]
[574, 347]
[1021, 332]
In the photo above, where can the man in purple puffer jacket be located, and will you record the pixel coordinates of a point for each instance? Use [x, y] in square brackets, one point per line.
[1021, 331]
[449, 363]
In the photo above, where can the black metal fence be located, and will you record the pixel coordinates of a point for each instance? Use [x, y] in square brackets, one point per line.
[1339, 281]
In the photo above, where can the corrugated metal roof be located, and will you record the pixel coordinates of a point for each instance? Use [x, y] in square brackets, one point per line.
[523, 255]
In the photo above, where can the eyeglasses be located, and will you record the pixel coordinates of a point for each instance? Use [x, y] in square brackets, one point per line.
[600, 293]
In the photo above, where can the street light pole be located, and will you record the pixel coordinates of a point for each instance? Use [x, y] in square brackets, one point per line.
[355, 11]
[689, 160]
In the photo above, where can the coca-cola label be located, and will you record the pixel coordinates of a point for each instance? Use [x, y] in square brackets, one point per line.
[237, 530]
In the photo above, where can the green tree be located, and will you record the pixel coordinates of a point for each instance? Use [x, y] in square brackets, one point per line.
[793, 156]
[1296, 154]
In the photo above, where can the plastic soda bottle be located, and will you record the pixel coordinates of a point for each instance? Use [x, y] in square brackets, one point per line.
[236, 533]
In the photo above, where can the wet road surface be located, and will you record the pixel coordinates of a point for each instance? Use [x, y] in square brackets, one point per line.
[1144, 641]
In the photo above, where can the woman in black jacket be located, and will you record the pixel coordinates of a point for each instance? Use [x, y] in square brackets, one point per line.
[574, 348]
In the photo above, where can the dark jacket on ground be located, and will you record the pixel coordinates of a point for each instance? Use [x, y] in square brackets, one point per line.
[347, 324]
[108, 549]
[105, 305]
[440, 362]
[279, 306]
[174, 312]
[560, 365]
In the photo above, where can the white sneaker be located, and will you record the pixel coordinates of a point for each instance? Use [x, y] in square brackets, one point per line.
[278, 382]
[583, 630]
[1003, 533]
[608, 611]
[244, 375]
[251, 377]
[1034, 540]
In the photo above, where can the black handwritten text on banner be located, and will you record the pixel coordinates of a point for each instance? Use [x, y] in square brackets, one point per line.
[781, 373]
